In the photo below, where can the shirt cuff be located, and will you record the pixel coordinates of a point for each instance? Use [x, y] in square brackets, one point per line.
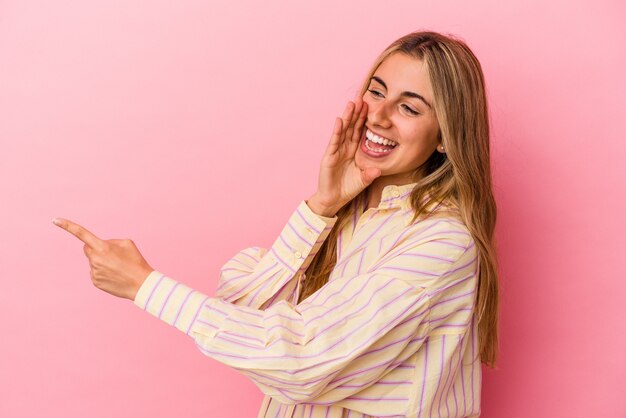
[301, 237]
[169, 300]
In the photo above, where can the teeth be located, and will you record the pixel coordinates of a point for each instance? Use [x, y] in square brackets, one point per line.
[379, 140]
[381, 150]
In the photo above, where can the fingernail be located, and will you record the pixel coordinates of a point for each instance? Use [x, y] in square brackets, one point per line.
[56, 221]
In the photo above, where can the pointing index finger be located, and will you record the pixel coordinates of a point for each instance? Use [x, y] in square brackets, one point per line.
[79, 232]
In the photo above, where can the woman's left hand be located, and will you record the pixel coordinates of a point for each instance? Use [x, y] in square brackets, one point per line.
[117, 266]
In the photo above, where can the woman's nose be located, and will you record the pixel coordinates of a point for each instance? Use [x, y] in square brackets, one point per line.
[378, 115]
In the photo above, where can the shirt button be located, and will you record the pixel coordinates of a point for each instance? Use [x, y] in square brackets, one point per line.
[395, 193]
[298, 254]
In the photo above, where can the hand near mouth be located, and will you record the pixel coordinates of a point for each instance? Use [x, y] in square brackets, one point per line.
[340, 180]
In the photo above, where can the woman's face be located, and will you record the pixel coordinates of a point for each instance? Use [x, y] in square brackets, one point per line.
[399, 99]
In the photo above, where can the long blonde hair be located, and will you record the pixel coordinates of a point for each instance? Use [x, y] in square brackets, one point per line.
[461, 176]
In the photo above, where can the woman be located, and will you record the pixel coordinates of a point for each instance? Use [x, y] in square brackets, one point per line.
[371, 301]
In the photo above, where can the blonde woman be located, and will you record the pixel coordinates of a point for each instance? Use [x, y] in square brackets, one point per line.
[379, 298]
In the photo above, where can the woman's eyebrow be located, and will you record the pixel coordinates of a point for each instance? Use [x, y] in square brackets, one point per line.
[404, 93]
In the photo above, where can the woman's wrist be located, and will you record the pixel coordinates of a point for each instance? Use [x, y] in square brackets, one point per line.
[319, 208]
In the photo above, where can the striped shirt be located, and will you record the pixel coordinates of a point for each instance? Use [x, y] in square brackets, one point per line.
[392, 333]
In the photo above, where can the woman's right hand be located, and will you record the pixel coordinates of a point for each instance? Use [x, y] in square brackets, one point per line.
[340, 180]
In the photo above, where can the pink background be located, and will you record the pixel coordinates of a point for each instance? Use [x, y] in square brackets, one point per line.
[195, 128]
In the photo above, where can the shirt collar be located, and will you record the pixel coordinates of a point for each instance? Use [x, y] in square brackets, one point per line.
[396, 196]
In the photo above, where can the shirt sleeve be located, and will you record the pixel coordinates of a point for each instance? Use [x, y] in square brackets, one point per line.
[336, 342]
[258, 277]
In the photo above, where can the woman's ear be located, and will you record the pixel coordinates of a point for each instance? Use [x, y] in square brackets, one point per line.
[440, 146]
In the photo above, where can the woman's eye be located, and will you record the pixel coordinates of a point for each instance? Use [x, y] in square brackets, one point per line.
[411, 111]
[375, 93]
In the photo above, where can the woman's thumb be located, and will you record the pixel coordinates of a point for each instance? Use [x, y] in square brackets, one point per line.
[369, 175]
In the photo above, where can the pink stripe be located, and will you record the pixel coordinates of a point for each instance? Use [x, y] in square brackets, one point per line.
[307, 222]
[286, 243]
[340, 291]
[296, 318]
[223, 281]
[443, 346]
[252, 277]
[411, 318]
[379, 382]
[291, 295]
[361, 398]
[235, 260]
[291, 383]
[410, 245]
[276, 295]
[358, 271]
[402, 366]
[392, 198]
[223, 269]
[366, 240]
[310, 244]
[267, 282]
[452, 298]
[463, 387]
[180, 308]
[404, 269]
[432, 257]
[282, 392]
[443, 389]
[310, 256]
[424, 378]
[350, 300]
[196, 315]
[386, 362]
[441, 240]
[339, 239]
[323, 331]
[451, 326]
[453, 284]
[346, 263]
[152, 292]
[213, 308]
[406, 231]
[245, 337]
[208, 324]
[282, 261]
[473, 365]
[310, 304]
[463, 266]
[254, 259]
[431, 320]
[458, 366]
[167, 298]
[297, 334]
[243, 324]
[452, 376]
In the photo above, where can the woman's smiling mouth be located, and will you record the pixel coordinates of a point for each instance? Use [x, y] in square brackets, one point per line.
[375, 145]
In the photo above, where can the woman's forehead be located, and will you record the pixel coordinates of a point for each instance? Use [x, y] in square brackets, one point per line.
[401, 72]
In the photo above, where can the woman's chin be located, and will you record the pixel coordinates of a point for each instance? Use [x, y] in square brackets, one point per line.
[362, 162]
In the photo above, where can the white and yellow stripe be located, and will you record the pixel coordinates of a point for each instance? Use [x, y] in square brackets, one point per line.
[392, 334]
